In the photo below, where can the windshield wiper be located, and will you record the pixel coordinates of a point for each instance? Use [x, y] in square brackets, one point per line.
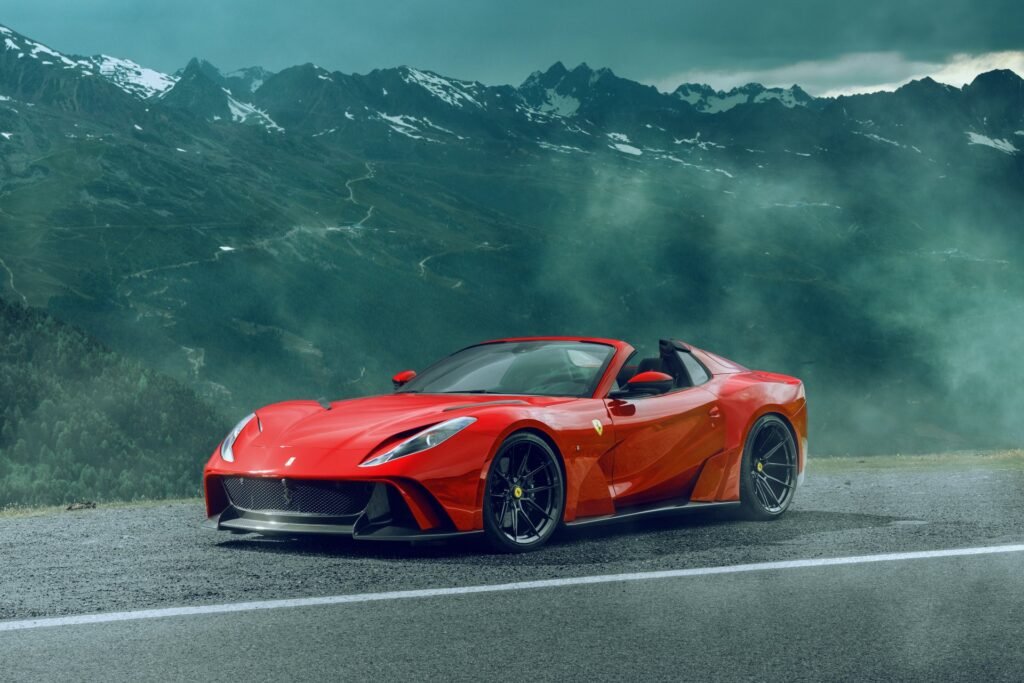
[470, 391]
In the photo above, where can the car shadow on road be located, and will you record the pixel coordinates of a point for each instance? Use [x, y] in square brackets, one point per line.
[692, 532]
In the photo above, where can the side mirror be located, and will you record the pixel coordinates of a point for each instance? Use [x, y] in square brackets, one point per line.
[650, 383]
[402, 377]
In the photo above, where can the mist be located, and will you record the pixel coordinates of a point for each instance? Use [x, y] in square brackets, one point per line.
[894, 295]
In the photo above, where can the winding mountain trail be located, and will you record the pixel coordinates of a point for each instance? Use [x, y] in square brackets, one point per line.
[261, 243]
[10, 275]
[370, 173]
[456, 283]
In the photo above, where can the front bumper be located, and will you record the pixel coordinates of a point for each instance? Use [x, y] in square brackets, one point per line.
[384, 516]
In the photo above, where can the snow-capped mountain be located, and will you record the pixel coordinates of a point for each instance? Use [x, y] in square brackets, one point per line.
[196, 92]
[17, 46]
[707, 100]
[35, 74]
[559, 110]
[33, 69]
[584, 92]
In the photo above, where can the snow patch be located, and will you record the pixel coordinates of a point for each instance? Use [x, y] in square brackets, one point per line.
[402, 124]
[563, 149]
[410, 126]
[627, 149]
[560, 105]
[455, 93]
[136, 126]
[785, 96]
[878, 138]
[226, 248]
[708, 101]
[241, 112]
[39, 48]
[697, 142]
[619, 137]
[716, 105]
[131, 77]
[1004, 146]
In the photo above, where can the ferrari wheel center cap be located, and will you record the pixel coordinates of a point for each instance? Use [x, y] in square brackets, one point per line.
[518, 492]
[760, 467]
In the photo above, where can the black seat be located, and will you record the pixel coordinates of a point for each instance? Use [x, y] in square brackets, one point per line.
[648, 364]
[670, 366]
[629, 371]
[625, 374]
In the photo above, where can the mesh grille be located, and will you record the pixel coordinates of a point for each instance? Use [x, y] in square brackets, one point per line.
[326, 498]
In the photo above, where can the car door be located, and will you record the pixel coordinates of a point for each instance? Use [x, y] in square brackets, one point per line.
[661, 443]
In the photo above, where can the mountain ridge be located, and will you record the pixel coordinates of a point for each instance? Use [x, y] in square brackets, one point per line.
[704, 98]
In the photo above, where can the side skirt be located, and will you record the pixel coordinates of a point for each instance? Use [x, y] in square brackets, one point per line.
[654, 509]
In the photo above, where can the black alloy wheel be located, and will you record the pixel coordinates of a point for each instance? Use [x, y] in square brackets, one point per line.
[525, 494]
[769, 469]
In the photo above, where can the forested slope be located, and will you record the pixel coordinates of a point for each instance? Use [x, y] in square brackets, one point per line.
[79, 421]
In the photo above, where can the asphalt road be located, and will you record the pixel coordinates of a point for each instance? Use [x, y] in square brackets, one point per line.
[940, 618]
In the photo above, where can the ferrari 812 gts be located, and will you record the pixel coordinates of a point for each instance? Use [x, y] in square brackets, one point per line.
[512, 439]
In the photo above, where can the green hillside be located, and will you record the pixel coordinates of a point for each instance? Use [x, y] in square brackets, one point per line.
[81, 422]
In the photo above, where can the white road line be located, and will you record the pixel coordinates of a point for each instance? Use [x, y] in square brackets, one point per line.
[109, 617]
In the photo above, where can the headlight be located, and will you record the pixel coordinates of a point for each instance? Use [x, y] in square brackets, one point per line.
[428, 438]
[229, 440]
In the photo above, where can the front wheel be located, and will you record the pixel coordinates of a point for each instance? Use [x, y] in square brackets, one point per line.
[769, 469]
[525, 494]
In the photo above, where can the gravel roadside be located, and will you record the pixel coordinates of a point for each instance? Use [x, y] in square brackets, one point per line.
[156, 555]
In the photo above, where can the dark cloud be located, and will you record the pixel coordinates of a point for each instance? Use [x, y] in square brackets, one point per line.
[499, 42]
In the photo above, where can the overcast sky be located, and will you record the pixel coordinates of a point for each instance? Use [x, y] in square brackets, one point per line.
[825, 46]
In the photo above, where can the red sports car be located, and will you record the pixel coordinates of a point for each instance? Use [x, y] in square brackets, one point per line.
[513, 438]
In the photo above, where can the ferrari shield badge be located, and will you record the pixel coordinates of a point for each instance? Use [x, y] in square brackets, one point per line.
[598, 427]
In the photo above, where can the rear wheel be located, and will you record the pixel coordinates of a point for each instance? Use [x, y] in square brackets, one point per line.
[769, 469]
[525, 494]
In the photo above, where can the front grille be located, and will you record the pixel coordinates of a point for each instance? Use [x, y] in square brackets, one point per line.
[297, 496]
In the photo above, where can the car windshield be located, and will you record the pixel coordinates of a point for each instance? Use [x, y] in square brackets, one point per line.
[539, 368]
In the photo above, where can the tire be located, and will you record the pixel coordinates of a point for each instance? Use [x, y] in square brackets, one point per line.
[525, 495]
[768, 471]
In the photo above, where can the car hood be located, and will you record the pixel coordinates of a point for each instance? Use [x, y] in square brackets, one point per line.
[363, 424]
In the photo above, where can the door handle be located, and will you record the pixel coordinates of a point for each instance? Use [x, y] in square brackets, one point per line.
[714, 413]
